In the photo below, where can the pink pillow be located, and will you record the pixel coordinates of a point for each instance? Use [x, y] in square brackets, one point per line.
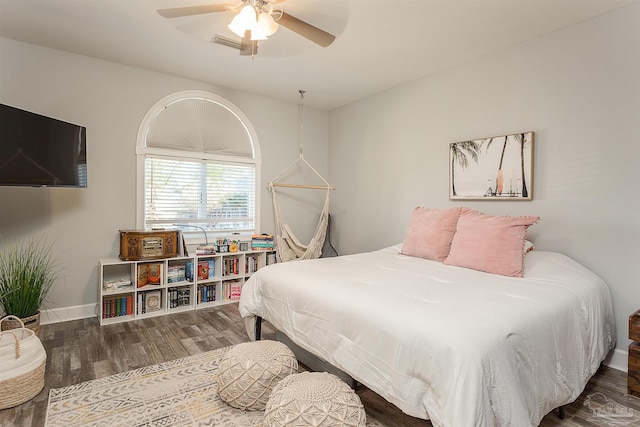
[494, 244]
[430, 232]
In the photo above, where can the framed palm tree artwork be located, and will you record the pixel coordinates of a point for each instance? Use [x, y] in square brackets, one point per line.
[495, 168]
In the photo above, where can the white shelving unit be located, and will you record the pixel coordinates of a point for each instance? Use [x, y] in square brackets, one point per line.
[131, 290]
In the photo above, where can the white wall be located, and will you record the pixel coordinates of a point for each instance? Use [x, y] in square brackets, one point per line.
[578, 89]
[111, 100]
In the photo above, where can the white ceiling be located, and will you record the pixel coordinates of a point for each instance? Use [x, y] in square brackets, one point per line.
[379, 44]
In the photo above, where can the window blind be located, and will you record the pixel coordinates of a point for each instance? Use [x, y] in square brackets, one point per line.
[214, 195]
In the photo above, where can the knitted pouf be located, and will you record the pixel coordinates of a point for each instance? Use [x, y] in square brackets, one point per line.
[249, 371]
[317, 399]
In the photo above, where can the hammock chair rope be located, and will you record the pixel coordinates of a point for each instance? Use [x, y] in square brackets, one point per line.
[289, 246]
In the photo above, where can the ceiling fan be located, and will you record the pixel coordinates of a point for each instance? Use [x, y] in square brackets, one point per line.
[253, 21]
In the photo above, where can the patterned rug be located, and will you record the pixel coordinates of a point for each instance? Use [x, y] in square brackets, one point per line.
[182, 392]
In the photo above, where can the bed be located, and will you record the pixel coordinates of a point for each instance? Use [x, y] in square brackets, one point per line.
[458, 346]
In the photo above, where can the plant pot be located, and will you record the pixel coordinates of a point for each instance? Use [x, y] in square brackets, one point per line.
[31, 322]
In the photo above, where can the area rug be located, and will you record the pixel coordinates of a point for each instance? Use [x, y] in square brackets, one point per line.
[182, 392]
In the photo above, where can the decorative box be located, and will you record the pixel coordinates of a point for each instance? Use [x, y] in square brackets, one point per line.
[138, 245]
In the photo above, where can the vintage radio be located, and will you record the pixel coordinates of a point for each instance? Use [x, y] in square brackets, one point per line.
[144, 244]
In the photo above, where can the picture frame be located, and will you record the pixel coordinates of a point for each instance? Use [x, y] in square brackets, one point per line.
[494, 168]
[244, 246]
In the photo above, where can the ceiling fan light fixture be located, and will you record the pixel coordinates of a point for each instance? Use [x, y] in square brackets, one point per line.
[257, 33]
[268, 25]
[243, 21]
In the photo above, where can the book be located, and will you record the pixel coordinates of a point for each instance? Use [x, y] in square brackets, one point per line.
[142, 275]
[154, 273]
[176, 273]
[153, 301]
[235, 290]
[212, 268]
[188, 271]
[203, 270]
[183, 297]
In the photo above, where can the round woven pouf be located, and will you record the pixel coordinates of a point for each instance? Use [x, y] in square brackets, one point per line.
[249, 371]
[317, 399]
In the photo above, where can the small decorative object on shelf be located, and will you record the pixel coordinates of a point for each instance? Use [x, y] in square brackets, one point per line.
[148, 244]
[243, 246]
[206, 250]
[122, 283]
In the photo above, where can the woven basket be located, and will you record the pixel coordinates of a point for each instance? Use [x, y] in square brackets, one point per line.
[31, 322]
[22, 364]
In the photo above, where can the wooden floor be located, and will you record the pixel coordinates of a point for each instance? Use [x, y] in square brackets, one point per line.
[82, 350]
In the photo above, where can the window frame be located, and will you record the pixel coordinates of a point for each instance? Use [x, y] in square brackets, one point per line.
[142, 151]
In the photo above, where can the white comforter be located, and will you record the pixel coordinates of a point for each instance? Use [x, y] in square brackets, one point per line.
[458, 346]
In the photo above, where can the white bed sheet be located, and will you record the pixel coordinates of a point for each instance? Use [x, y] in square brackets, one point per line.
[458, 346]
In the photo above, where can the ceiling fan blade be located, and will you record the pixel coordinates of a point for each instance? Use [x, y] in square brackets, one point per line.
[177, 12]
[250, 49]
[306, 30]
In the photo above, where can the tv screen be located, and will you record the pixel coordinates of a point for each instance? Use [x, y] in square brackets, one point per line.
[40, 151]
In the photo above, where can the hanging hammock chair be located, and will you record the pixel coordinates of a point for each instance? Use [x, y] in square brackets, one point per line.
[289, 246]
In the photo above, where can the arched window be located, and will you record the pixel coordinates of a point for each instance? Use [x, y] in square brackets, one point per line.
[198, 167]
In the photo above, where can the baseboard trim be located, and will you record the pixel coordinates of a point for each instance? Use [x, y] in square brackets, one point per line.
[57, 315]
[617, 359]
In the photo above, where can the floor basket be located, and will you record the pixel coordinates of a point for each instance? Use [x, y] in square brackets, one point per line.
[31, 322]
[22, 365]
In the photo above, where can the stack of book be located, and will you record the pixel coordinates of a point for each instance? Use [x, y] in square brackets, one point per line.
[117, 306]
[251, 264]
[206, 293]
[271, 258]
[231, 267]
[262, 242]
[176, 273]
[179, 297]
[231, 290]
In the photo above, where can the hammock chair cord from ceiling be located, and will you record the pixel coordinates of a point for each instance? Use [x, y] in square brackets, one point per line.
[289, 246]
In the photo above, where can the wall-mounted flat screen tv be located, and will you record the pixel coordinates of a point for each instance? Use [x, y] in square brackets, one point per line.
[41, 151]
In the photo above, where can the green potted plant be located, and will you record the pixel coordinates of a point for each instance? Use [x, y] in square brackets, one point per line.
[27, 275]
